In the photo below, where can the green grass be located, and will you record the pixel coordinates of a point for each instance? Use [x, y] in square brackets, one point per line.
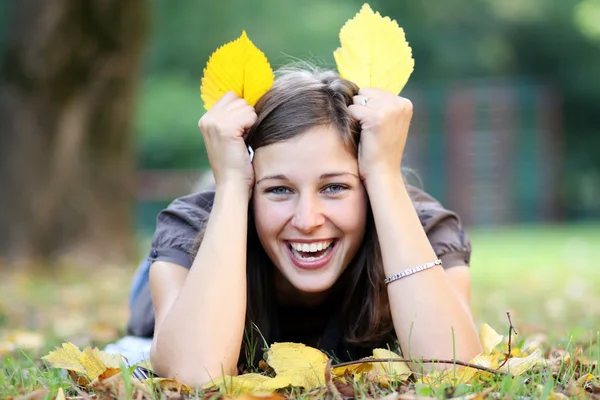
[545, 276]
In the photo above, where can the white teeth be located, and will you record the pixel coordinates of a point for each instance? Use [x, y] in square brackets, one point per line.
[311, 247]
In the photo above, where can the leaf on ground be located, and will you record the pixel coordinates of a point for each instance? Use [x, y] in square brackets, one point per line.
[90, 364]
[304, 366]
[170, 384]
[60, 395]
[240, 384]
[295, 364]
[518, 365]
[489, 338]
[66, 357]
[94, 367]
[395, 370]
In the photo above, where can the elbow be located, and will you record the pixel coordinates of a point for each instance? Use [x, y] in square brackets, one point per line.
[184, 368]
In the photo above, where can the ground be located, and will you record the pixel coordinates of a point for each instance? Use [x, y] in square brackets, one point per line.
[545, 276]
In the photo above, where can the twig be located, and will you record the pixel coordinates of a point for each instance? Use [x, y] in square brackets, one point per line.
[424, 361]
[511, 329]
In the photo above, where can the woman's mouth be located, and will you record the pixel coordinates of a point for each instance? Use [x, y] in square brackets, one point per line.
[311, 255]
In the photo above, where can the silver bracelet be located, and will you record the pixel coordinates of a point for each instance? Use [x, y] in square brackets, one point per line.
[412, 271]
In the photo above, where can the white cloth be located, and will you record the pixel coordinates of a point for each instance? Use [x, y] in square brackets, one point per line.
[134, 349]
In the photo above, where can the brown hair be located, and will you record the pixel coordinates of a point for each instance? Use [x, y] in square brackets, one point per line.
[300, 99]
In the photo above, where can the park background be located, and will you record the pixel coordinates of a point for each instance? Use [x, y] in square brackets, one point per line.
[99, 103]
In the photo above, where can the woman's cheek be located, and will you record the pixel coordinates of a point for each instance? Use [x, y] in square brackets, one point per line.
[270, 216]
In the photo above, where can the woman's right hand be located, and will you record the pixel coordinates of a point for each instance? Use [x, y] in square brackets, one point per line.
[223, 128]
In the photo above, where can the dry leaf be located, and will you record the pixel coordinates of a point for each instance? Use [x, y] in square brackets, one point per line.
[304, 366]
[238, 66]
[395, 370]
[66, 357]
[489, 338]
[170, 384]
[240, 384]
[60, 395]
[374, 52]
[518, 365]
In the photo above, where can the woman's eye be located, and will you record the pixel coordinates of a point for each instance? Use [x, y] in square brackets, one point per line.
[335, 188]
[279, 190]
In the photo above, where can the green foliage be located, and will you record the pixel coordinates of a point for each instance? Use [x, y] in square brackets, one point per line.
[167, 123]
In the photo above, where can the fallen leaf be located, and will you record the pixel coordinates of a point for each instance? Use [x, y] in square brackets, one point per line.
[489, 338]
[66, 357]
[94, 367]
[395, 370]
[303, 366]
[60, 395]
[518, 365]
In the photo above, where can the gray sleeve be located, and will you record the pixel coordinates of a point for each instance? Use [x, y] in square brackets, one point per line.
[443, 228]
[177, 227]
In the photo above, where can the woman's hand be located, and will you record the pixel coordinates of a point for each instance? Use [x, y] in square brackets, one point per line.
[223, 128]
[384, 119]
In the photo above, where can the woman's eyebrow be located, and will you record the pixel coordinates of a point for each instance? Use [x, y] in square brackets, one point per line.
[323, 176]
[279, 177]
[336, 174]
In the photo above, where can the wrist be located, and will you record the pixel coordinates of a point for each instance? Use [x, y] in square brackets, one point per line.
[383, 180]
[237, 188]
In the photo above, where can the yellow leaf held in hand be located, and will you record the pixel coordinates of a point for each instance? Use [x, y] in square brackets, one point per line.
[374, 52]
[238, 66]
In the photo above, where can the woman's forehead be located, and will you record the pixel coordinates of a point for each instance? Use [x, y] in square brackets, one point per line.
[320, 149]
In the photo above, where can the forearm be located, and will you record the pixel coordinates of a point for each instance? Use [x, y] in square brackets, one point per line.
[429, 318]
[202, 333]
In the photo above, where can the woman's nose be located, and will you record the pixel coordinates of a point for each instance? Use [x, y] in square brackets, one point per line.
[308, 215]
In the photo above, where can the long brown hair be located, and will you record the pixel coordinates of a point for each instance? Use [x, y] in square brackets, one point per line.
[300, 99]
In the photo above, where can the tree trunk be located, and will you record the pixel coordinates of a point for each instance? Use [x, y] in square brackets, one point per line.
[67, 85]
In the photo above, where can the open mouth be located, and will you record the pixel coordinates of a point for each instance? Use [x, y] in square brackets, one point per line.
[312, 255]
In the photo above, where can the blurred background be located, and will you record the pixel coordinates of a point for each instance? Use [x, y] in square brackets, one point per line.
[99, 103]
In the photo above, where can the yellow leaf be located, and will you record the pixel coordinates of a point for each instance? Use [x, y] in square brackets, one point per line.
[489, 338]
[60, 395]
[238, 66]
[94, 367]
[66, 357]
[109, 360]
[303, 365]
[395, 370]
[374, 52]
[517, 366]
[246, 383]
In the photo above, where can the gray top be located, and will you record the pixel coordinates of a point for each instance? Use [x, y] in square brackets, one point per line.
[178, 225]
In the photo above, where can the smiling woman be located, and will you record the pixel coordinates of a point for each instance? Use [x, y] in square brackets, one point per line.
[299, 241]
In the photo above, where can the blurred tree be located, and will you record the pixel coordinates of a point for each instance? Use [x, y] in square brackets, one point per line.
[67, 83]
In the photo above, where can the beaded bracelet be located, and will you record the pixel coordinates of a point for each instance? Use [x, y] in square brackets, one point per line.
[412, 271]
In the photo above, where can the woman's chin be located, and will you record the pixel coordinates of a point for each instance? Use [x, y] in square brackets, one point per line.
[312, 284]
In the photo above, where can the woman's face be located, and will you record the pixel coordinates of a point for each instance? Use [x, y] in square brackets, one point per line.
[309, 207]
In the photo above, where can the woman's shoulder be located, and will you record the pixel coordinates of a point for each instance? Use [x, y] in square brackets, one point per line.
[178, 225]
[443, 228]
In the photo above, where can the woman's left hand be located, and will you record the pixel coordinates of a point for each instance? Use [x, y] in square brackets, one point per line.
[384, 119]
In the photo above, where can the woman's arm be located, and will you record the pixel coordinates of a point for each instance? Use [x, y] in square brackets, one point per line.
[430, 314]
[200, 336]
[430, 318]
[200, 314]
